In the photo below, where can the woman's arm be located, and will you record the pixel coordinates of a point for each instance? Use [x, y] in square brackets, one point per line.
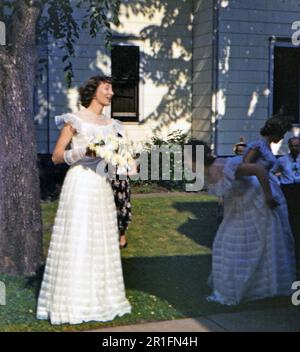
[134, 169]
[251, 156]
[63, 141]
[249, 169]
[278, 168]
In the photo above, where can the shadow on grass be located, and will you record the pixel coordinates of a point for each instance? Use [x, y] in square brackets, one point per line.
[202, 226]
[182, 281]
[35, 282]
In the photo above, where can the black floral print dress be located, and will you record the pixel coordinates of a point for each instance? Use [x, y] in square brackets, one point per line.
[122, 192]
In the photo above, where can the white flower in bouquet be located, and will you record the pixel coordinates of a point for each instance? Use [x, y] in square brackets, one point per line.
[114, 150]
[101, 152]
[98, 150]
[107, 155]
[127, 155]
[139, 147]
[112, 142]
[118, 160]
[100, 138]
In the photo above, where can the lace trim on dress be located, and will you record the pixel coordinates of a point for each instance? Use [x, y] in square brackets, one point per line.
[73, 120]
[86, 127]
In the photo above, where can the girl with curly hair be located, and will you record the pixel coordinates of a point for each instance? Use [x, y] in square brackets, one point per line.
[83, 278]
[253, 251]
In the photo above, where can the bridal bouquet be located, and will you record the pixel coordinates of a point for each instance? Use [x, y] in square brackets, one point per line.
[114, 150]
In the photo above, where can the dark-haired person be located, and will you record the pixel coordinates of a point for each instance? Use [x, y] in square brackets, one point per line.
[122, 193]
[289, 168]
[238, 149]
[253, 252]
[83, 278]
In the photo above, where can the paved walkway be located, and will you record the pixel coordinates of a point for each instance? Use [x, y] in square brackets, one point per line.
[274, 320]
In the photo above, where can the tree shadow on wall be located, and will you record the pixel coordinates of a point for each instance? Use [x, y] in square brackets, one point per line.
[169, 64]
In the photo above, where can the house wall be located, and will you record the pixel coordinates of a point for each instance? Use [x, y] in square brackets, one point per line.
[90, 59]
[214, 84]
[163, 31]
[203, 63]
[244, 75]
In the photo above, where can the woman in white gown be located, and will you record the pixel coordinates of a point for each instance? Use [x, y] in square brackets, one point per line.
[253, 252]
[83, 278]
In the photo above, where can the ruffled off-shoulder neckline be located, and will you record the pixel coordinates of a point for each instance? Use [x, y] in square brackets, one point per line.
[85, 127]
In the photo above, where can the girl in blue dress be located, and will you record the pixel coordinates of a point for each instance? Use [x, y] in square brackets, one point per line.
[253, 252]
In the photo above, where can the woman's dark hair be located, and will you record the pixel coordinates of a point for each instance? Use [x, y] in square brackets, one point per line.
[88, 90]
[208, 157]
[294, 138]
[277, 125]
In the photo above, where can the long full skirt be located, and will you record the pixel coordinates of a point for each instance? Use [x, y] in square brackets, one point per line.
[83, 278]
[253, 252]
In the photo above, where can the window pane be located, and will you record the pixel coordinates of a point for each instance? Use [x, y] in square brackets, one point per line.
[125, 62]
[125, 73]
[286, 81]
[125, 93]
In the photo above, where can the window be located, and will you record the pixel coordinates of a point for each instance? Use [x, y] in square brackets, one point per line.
[286, 81]
[125, 73]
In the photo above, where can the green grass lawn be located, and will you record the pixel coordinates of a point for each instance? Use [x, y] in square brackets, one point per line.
[166, 267]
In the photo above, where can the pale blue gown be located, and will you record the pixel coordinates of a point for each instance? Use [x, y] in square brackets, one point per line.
[253, 251]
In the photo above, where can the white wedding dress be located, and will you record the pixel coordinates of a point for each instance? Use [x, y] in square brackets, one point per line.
[253, 251]
[83, 278]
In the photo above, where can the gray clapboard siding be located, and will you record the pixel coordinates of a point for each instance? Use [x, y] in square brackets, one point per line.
[244, 31]
[226, 84]
[202, 70]
[91, 57]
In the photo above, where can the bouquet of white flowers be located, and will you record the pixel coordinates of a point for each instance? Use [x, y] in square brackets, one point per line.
[115, 150]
